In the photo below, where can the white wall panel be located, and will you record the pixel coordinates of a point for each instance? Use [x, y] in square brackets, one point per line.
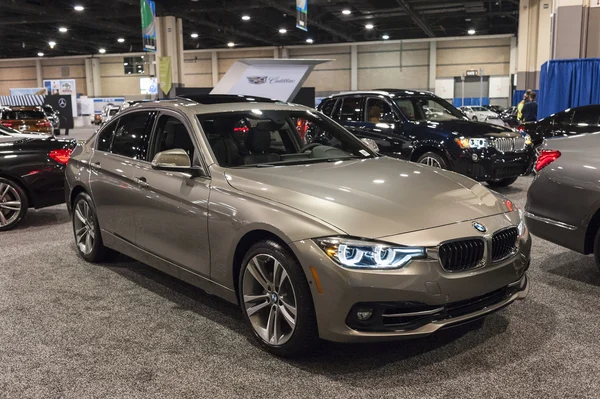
[499, 86]
[444, 88]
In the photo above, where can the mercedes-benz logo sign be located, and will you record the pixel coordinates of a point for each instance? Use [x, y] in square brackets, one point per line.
[62, 103]
[479, 227]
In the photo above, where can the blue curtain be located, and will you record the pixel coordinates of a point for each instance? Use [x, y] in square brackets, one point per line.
[568, 84]
[518, 96]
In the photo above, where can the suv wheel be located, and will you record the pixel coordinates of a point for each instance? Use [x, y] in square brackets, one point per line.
[502, 182]
[13, 204]
[276, 300]
[475, 118]
[87, 232]
[433, 159]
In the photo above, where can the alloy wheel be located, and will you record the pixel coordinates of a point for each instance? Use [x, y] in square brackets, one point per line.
[430, 161]
[85, 230]
[10, 204]
[269, 299]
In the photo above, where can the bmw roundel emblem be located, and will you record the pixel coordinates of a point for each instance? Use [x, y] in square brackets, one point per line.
[479, 227]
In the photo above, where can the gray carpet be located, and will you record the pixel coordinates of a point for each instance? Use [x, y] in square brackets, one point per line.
[123, 330]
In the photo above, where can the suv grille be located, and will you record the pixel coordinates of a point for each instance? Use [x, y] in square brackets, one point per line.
[462, 255]
[504, 243]
[514, 144]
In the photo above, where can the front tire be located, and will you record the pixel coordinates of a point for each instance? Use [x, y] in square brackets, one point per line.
[13, 204]
[276, 300]
[475, 118]
[433, 159]
[502, 182]
[87, 231]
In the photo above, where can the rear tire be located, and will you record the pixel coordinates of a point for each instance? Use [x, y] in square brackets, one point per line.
[86, 231]
[475, 118]
[433, 159]
[502, 182]
[276, 300]
[13, 204]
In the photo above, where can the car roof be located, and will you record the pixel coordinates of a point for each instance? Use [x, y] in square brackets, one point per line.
[386, 92]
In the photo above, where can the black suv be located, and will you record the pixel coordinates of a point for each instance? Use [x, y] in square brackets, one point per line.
[421, 127]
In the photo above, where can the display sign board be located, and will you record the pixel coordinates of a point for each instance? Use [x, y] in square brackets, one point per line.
[32, 91]
[148, 10]
[101, 102]
[64, 105]
[165, 75]
[148, 86]
[302, 14]
[594, 3]
[472, 72]
[280, 79]
[63, 87]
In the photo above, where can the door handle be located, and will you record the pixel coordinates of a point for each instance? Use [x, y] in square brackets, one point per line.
[142, 181]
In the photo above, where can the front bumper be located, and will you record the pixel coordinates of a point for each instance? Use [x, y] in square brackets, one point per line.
[492, 164]
[437, 298]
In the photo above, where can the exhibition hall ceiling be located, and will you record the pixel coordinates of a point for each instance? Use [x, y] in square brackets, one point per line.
[27, 27]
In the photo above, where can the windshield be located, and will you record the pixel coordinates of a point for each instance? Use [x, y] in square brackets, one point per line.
[269, 138]
[417, 109]
[480, 109]
[23, 115]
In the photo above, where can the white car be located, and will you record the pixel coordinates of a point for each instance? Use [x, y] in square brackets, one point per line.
[478, 113]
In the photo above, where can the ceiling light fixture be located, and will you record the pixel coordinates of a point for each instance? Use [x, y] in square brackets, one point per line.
[309, 41]
[369, 26]
[79, 8]
[102, 51]
[471, 31]
[230, 44]
[346, 12]
[194, 35]
[385, 37]
[246, 17]
[52, 44]
[120, 40]
[40, 54]
[62, 29]
[282, 30]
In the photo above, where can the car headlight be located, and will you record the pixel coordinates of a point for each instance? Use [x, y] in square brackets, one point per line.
[358, 254]
[472, 143]
[527, 139]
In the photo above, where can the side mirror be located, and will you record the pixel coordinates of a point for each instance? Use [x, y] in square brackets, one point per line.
[175, 160]
[388, 118]
[371, 144]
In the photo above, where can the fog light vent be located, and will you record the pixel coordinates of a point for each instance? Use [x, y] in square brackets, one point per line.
[364, 314]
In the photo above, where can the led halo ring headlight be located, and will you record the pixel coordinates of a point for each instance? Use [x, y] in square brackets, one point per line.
[473, 143]
[359, 254]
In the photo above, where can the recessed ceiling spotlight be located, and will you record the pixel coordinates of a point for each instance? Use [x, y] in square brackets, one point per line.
[309, 41]
[120, 40]
[246, 17]
[102, 51]
[346, 12]
[282, 30]
[79, 8]
[385, 37]
[40, 54]
[471, 31]
[468, 19]
[62, 29]
[52, 44]
[369, 26]
[194, 35]
[230, 44]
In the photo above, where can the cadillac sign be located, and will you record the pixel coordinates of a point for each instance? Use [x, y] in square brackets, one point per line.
[259, 80]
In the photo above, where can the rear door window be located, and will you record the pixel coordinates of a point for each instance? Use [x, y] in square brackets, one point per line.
[351, 109]
[132, 134]
[105, 136]
[23, 115]
[328, 105]
[586, 117]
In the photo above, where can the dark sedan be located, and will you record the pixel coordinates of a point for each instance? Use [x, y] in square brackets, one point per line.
[570, 122]
[419, 126]
[563, 203]
[31, 175]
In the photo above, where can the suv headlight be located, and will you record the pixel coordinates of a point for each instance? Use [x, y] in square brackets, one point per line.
[473, 143]
[358, 254]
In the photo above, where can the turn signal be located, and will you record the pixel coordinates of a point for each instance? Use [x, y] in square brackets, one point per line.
[61, 156]
[545, 158]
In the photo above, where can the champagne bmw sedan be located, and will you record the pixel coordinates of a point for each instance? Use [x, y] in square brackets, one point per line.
[313, 233]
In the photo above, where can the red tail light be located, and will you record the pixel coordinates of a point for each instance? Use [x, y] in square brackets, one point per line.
[44, 123]
[61, 156]
[242, 129]
[302, 126]
[521, 128]
[545, 158]
[7, 124]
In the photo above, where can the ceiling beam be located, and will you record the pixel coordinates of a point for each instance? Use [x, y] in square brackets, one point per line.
[415, 17]
[311, 21]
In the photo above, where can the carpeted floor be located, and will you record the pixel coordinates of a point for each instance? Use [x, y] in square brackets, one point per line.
[123, 330]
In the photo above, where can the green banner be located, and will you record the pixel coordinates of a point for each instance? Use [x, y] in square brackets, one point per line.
[164, 74]
[148, 10]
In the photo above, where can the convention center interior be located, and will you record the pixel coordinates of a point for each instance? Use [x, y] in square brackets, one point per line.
[299, 198]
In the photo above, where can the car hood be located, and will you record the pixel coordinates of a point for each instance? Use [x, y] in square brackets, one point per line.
[371, 198]
[464, 128]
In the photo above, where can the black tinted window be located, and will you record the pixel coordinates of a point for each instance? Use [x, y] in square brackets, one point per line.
[131, 137]
[378, 110]
[11, 115]
[586, 117]
[106, 135]
[351, 109]
[327, 106]
[563, 118]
